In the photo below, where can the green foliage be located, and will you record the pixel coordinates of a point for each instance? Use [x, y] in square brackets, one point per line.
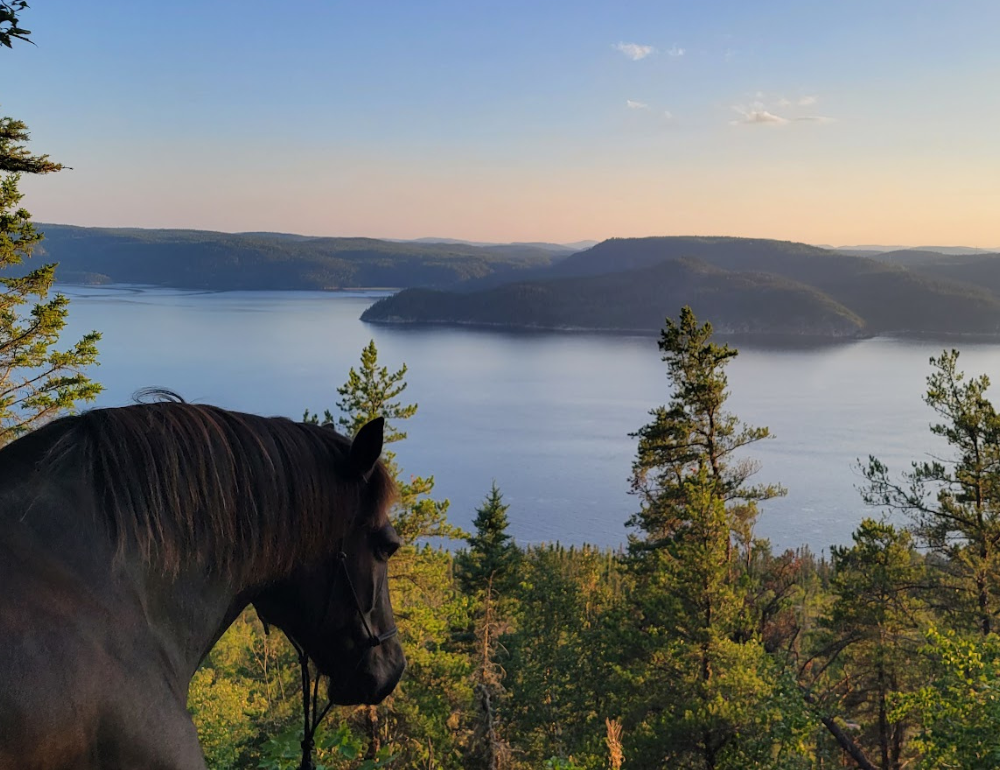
[336, 749]
[555, 763]
[869, 636]
[958, 709]
[707, 651]
[955, 505]
[37, 380]
[370, 391]
[247, 688]
[373, 391]
[10, 24]
[562, 652]
[704, 679]
[220, 705]
[418, 722]
[492, 556]
[15, 158]
[689, 448]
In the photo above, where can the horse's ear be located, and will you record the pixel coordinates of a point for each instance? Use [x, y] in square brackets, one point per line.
[367, 447]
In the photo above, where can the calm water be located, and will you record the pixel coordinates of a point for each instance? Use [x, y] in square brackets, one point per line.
[545, 415]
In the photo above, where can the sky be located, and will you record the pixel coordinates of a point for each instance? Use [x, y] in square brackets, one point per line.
[847, 122]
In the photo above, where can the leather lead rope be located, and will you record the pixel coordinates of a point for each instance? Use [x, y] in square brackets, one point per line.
[312, 715]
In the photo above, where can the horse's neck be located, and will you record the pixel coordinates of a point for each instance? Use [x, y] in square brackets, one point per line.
[173, 619]
[186, 614]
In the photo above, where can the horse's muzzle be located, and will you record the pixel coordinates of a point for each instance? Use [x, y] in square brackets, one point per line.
[371, 682]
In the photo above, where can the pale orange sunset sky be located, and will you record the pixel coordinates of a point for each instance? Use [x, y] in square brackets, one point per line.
[835, 123]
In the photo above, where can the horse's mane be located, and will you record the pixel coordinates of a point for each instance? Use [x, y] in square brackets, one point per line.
[232, 492]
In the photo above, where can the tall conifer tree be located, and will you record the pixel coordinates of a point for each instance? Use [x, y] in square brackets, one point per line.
[37, 380]
[872, 632]
[954, 503]
[493, 555]
[702, 680]
[415, 722]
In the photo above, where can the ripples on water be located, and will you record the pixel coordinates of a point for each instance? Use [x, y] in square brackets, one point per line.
[546, 415]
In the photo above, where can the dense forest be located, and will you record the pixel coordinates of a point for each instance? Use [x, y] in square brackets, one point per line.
[696, 646]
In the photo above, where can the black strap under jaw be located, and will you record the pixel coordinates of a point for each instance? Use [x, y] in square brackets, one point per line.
[312, 715]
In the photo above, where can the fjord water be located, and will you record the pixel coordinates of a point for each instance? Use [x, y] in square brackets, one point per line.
[546, 415]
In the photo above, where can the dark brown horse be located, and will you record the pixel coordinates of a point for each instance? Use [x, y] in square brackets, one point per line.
[131, 538]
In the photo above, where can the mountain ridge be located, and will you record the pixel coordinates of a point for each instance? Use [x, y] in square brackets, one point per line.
[880, 297]
[748, 285]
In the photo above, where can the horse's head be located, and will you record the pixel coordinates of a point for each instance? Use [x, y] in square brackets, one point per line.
[338, 610]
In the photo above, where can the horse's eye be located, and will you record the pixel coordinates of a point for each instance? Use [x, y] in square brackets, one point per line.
[385, 542]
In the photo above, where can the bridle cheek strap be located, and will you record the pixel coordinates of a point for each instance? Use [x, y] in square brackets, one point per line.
[374, 640]
[312, 714]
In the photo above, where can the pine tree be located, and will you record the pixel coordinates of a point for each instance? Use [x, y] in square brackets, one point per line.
[486, 575]
[489, 748]
[872, 635]
[414, 722]
[493, 555]
[694, 433]
[37, 380]
[954, 504]
[10, 24]
[703, 677]
[370, 391]
[562, 650]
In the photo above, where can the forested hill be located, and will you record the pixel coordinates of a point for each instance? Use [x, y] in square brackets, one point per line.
[635, 300]
[744, 285]
[213, 260]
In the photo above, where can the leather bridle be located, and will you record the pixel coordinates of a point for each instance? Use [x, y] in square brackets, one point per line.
[312, 715]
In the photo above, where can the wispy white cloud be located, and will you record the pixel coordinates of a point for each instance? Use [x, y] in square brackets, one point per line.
[634, 51]
[730, 54]
[668, 115]
[757, 115]
[676, 52]
[633, 105]
[805, 101]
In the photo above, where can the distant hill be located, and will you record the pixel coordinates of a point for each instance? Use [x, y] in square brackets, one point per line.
[633, 283]
[635, 300]
[620, 254]
[953, 250]
[566, 247]
[213, 260]
[911, 257]
[974, 270]
[746, 285]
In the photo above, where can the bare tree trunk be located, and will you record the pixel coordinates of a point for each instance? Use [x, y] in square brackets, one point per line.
[371, 728]
[843, 739]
